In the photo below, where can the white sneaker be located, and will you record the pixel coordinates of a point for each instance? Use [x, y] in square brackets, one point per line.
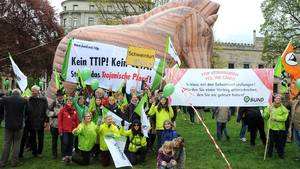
[243, 139]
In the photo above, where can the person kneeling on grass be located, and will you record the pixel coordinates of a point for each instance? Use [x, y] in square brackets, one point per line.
[137, 146]
[179, 156]
[107, 129]
[67, 122]
[86, 132]
[165, 158]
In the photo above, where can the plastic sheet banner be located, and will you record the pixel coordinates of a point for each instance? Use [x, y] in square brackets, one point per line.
[116, 149]
[108, 65]
[221, 87]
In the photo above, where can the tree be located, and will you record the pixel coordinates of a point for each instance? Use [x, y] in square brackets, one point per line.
[282, 24]
[112, 11]
[25, 24]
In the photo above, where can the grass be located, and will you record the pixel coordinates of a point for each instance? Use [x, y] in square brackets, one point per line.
[201, 154]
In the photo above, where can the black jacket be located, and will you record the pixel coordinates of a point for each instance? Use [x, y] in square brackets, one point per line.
[15, 111]
[37, 109]
[129, 114]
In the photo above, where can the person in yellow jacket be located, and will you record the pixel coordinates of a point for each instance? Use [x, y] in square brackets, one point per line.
[162, 112]
[276, 114]
[106, 129]
[137, 142]
[86, 132]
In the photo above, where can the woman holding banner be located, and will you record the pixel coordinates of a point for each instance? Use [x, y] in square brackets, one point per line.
[107, 129]
[162, 112]
[276, 114]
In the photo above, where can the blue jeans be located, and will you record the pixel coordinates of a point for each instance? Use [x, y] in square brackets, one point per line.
[67, 144]
[220, 128]
[297, 137]
[243, 129]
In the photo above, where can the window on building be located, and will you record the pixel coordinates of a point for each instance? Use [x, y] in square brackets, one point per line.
[75, 7]
[64, 22]
[75, 22]
[246, 66]
[91, 21]
[230, 65]
[260, 66]
[92, 7]
[65, 8]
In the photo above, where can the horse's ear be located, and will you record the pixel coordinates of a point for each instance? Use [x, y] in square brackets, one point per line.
[211, 19]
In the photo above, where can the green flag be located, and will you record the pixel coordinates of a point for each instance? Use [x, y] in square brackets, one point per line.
[66, 60]
[140, 106]
[80, 82]
[104, 112]
[92, 104]
[57, 80]
[26, 93]
[278, 67]
[158, 75]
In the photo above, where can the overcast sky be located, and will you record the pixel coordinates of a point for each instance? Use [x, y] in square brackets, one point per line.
[236, 22]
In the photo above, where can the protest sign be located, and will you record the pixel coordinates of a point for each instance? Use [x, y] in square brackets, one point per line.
[108, 65]
[116, 149]
[137, 56]
[221, 87]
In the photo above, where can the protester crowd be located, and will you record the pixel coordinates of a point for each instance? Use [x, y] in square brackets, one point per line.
[81, 123]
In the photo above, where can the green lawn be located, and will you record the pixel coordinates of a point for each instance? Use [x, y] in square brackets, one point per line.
[201, 154]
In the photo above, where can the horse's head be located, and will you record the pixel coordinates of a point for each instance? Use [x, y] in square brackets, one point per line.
[191, 29]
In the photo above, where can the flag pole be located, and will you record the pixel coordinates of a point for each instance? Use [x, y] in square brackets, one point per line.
[268, 134]
[211, 137]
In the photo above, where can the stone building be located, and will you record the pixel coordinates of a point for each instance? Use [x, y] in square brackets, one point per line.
[79, 13]
[240, 55]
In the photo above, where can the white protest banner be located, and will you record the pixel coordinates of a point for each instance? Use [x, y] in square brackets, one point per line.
[117, 152]
[145, 123]
[118, 120]
[21, 78]
[108, 65]
[221, 87]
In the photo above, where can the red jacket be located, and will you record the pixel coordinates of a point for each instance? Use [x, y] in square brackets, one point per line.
[67, 119]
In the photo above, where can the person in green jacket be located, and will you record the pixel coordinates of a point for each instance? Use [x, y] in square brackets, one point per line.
[86, 132]
[81, 109]
[276, 114]
[137, 142]
[106, 129]
[162, 112]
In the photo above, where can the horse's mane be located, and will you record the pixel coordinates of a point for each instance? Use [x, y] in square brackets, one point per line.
[206, 8]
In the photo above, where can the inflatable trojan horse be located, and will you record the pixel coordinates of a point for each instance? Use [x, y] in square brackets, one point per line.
[188, 22]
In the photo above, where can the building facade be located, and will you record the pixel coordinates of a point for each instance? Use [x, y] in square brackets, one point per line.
[79, 13]
[240, 55]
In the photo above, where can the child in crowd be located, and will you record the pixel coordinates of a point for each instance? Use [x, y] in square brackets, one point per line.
[67, 122]
[86, 132]
[96, 111]
[179, 156]
[222, 115]
[137, 142]
[162, 112]
[113, 107]
[168, 134]
[106, 129]
[165, 158]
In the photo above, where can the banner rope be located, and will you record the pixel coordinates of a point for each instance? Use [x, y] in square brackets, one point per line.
[32, 48]
[212, 138]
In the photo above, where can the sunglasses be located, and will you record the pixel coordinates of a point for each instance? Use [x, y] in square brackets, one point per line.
[136, 125]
